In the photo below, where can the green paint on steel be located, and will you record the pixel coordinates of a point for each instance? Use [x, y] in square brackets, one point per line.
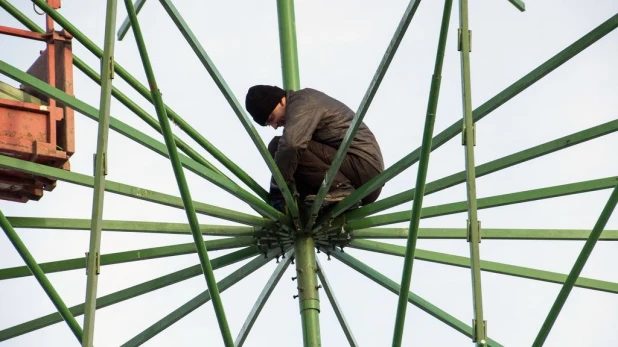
[83, 39]
[129, 256]
[129, 293]
[421, 178]
[35, 269]
[181, 180]
[489, 266]
[130, 191]
[287, 44]
[479, 113]
[577, 269]
[242, 116]
[489, 202]
[308, 297]
[414, 299]
[133, 226]
[488, 234]
[362, 109]
[490, 167]
[147, 141]
[520, 5]
[126, 24]
[199, 300]
[100, 171]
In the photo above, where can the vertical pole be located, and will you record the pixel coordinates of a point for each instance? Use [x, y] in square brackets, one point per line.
[181, 179]
[474, 237]
[287, 44]
[308, 299]
[100, 170]
[421, 177]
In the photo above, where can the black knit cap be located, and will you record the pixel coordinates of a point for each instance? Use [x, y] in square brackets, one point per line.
[261, 100]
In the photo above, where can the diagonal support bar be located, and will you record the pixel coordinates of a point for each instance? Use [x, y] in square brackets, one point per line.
[333, 302]
[489, 266]
[414, 299]
[262, 298]
[126, 24]
[362, 109]
[199, 300]
[421, 177]
[181, 180]
[40, 277]
[100, 170]
[242, 116]
[488, 234]
[577, 269]
[129, 293]
[478, 114]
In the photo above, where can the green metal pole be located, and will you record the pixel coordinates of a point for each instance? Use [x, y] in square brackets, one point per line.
[287, 44]
[308, 298]
[577, 269]
[362, 109]
[40, 277]
[469, 138]
[460, 233]
[421, 177]
[100, 170]
[126, 24]
[181, 180]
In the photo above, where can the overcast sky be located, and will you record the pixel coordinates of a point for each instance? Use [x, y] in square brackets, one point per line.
[340, 45]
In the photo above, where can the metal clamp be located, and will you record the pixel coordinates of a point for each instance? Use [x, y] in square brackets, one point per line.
[475, 338]
[463, 134]
[97, 263]
[460, 40]
[469, 230]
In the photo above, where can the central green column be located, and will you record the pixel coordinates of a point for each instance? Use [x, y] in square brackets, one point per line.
[304, 246]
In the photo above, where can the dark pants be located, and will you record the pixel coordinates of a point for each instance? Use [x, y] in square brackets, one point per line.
[315, 162]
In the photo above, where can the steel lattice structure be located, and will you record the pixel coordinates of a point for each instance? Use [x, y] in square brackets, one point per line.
[297, 235]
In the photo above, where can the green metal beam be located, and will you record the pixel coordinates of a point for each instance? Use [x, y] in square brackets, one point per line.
[181, 180]
[134, 226]
[520, 5]
[412, 298]
[488, 234]
[333, 302]
[34, 268]
[478, 114]
[128, 256]
[130, 191]
[242, 116]
[195, 135]
[87, 110]
[100, 170]
[362, 109]
[199, 300]
[287, 44]
[126, 24]
[469, 141]
[577, 269]
[490, 167]
[262, 298]
[489, 202]
[489, 266]
[128, 293]
[421, 178]
[308, 296]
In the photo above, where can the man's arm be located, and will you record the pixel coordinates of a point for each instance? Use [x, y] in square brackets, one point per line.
[302, 118]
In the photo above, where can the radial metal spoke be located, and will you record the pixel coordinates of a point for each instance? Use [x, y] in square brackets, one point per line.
[412, 298]
[488, 234]
[126, 24]
[40, 277]
[489, 266]
[362, 109]
[421, 177]
[333, 302]
[199, 300]
[129, 293]
[262, 298]
[577, 269]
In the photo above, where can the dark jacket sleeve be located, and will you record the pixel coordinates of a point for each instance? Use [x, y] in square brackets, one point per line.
[301, 119]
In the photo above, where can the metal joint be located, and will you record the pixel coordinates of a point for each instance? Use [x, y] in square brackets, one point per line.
[111, 67]
[97, 263]
[483, 338]
[463, 134]
[469, 230]
[460, 40]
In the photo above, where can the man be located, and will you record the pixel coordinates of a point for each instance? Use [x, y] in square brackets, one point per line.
[314, 127]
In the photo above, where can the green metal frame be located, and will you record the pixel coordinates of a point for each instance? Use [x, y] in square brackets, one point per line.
[277, 233]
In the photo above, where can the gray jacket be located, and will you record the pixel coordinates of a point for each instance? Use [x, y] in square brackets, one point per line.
[314, 116]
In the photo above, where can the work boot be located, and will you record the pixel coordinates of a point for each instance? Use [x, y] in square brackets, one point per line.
[338, 193]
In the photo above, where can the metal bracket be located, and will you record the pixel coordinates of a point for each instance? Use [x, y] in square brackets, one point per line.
[460, 40]
[97, 263]
[463, 134]
[111, 67]
[469, 230]
[94, 164]
[476, 338]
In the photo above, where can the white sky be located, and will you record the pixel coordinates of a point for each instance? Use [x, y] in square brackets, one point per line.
[340, 45]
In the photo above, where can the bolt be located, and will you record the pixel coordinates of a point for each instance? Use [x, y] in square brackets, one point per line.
[294, 296]
[294, 278]
[300, 289]
[318, 286]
